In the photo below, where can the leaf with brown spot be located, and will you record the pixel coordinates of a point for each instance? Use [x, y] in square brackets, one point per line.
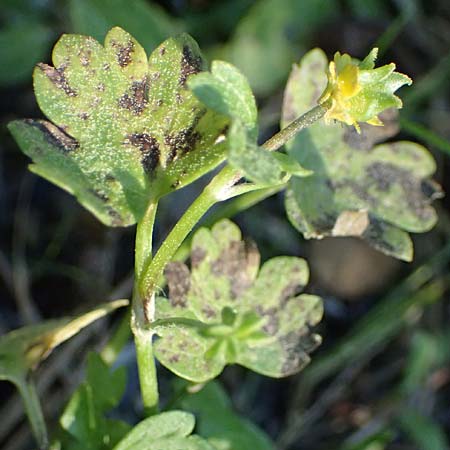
[126, 130]
[357, 188]
[229, 310]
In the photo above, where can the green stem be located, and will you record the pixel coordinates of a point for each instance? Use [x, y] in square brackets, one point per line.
[143, 314]
[148, 379]
[153, 272]
[144, 239]
[222, 187]
[304, 121]
[33, 409]
[229, 209]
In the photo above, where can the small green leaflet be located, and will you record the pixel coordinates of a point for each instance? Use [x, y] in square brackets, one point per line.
[228, 310]
[217, 422]
[83, 421]
[166, 431]
[226, 91]
[21, 351]
[125, 130]
[378, 193]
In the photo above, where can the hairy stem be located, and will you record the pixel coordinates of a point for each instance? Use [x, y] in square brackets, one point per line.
[143, 314]
[286, 134]
[148, 379]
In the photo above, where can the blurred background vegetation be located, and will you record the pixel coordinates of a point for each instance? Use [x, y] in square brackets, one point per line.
[381, 379]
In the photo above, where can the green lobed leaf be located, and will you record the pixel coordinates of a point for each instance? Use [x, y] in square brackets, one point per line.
[126, 131]
[378, 193]
[227, 91]
[84, 418]
[166, 431]
[270, 332]
[217, 421]
[256, 163]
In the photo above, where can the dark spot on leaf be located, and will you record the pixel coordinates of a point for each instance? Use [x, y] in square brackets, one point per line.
[101, 87]
[106, 66]
[197, 256]
[295, 347]
[182, 142]
[360, 189]
[136, 100]
[178, 99]
[190, 64]
[155, 76]
[431, 189]
[289, 291]
[58, 78]
[234, 263]
[208, 312]
[55, 135]
[99, 194]
[375, 234]
[159, 102]
[385, 175]
[162, 51]
[174, 358]
[149, 148]
[85, 56]
[324, 223]
[84, 116]
[272, 325]
[116, 218]
[179, 282]
[123, 52]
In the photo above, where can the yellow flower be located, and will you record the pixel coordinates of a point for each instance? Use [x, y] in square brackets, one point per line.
[357, 92]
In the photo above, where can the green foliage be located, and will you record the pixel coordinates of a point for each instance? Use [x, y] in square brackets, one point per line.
[126, 131]
[83, 420]
[30, 34]
[377, 441]
[146, 21]
[227, 310]
[425, 433]
[227, 91]
[269, 37]
[85, 425]
[258, 164]
[377, 192]
[217, 422]
[21, 350]
[166, 431]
